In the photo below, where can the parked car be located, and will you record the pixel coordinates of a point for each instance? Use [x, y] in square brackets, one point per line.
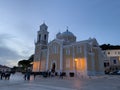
[115, 73]
[118, 72]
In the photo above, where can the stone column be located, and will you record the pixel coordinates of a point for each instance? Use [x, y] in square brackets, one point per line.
[47, 59]
[61, 57]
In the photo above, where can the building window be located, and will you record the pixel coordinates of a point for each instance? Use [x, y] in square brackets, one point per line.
[67, 51]
[67, 63]
[55, 49]
[43, 53]
[39, 38]
[45, 37]
[114, 61]
[52, 50]
[119, 59]
[108, 52]
[78, 49]
[106, 64]
[118, 52]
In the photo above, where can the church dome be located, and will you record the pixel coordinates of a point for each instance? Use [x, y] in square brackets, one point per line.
[67, 36]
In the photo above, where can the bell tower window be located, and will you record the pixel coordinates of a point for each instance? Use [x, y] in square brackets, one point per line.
[45, 37]
[42, 36]
[39, 38]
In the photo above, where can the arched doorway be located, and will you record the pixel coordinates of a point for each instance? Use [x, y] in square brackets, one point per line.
[53, 67]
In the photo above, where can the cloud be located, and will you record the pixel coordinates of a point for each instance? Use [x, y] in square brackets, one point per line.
[8, 56]
[4, 37]
[8, 53]
[13, 49]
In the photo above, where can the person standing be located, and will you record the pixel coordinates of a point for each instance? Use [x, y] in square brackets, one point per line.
[28, 74]
[2, 74]
[25, 75]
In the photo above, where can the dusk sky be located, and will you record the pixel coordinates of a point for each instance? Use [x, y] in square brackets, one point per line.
[20, 21]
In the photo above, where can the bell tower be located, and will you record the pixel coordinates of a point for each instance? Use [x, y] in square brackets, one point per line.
[40, 44]
[42, 35]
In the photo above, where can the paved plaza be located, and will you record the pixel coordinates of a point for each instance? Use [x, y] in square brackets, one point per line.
[17, 82]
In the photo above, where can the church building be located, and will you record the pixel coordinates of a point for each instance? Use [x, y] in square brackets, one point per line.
[65, 54]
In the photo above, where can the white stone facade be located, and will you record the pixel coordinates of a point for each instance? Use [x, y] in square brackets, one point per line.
[65, 54]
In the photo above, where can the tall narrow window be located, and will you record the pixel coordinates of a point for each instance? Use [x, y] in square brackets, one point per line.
[67, 51]
[118, 52]
[114, 61]
[105, 65]
[55, 49]
[78, 49]
[44, 37]
[39, 38]
[67, 63]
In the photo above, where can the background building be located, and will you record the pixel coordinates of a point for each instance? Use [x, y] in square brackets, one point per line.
[112, 61]
[4, 68]
[65, 54]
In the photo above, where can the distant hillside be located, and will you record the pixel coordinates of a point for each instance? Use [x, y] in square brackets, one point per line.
[109, 47]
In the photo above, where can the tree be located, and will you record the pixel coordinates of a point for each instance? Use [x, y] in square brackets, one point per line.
[109, 47]
[24, 64]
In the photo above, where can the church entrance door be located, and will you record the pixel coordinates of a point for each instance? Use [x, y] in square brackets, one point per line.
[53, 67]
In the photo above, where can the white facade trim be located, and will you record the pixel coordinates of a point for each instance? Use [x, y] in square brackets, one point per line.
[101, 60]
[61, 57]
[93, 63]
[85, 54]
[73, 55]
[47, 59]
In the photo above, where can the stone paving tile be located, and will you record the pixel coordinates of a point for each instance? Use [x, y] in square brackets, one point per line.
[17, 82]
